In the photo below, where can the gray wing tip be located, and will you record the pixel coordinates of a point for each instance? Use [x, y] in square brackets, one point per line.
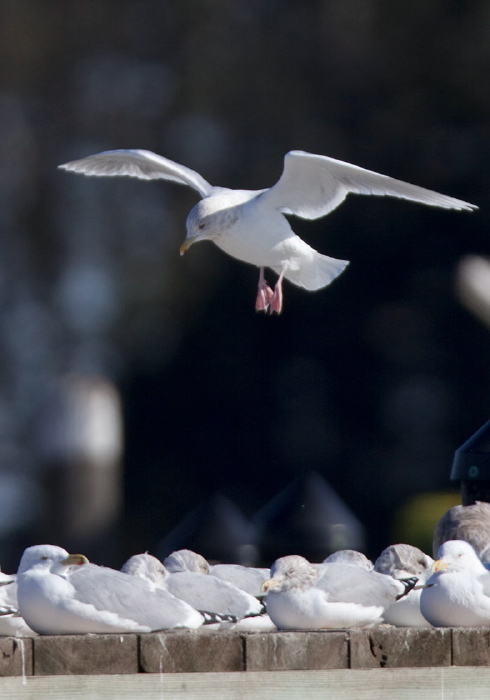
[71, 165]
[462, 206]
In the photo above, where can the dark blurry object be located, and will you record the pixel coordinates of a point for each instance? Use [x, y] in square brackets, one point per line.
[473, 285]
[471, 466]
[80, 444]
[307, 518]
[469, 523]
[248, 224]
[217, 530]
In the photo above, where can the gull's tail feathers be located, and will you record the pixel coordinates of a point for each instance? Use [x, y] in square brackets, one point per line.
[317, 272]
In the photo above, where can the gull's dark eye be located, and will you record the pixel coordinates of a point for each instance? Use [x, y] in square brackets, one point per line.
[202, 225]
[44, 558]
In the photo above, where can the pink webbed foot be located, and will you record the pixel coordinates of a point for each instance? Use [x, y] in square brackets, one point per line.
[264, 294]
[276, 301]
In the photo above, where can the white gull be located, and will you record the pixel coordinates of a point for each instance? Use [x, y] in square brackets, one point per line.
[58, 597]
[301, 595]
[458, 592]
[250, 224]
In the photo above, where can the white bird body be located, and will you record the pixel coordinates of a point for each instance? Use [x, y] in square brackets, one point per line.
[311, 609]
[49, 605]
[92, 599]
[406, 611]
[458, 592]
[333, 595]
[251, 226]
[238, 229]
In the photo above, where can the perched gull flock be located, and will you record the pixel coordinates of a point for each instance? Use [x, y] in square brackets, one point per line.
[55, 592]
[250, 224]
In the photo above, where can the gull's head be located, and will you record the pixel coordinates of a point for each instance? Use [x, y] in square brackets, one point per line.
[290, 572]
[147, 567]
[350, 556]
[186, 560]
[50, 558]
[456, 556]
[402, 561]
[41, 556]
[209, 219]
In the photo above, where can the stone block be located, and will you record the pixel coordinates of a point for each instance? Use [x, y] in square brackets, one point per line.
[471, 646]
[190, 651]
[400, 647]
[85, 654]
[288, 651]
[16, 656]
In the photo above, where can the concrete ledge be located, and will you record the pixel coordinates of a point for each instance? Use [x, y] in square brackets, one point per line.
[400, 647]
[16, 657]
[296, 651]
[201, 651]
[188, 651]
[471, 646]
[85, 654]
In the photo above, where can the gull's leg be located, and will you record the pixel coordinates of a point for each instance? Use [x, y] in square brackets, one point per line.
[264, 293]
[276, 300]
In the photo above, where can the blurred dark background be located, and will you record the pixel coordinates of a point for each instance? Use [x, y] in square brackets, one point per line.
[135, 385]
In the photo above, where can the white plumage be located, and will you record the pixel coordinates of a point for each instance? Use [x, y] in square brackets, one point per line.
[303, 596]
[58, 599]
[458, 592]
[250, 226]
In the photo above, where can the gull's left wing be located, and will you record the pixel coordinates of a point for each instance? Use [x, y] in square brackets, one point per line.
[311, 186]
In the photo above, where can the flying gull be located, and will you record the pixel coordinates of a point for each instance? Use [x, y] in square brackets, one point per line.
[250, 224]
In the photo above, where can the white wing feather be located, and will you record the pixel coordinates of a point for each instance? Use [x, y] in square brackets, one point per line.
[311, 186]
[144, 165]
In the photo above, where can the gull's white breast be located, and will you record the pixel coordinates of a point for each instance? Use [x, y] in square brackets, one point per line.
[259, 235]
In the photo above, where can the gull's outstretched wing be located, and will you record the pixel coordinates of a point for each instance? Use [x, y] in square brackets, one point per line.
[311, 186]
[144, 165]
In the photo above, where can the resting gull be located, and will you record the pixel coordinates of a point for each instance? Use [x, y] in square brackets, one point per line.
[303, 596]
[251, 226]
[458, 592]
[60, 593]
[402, 561]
